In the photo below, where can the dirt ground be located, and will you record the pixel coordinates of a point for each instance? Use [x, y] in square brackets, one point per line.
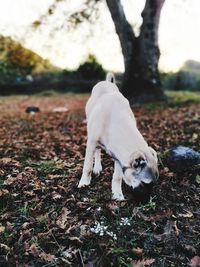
[45, 220]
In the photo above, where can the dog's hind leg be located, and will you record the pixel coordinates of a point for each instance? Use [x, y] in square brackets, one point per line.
[97, 162]
[117, 183]
[88, 164]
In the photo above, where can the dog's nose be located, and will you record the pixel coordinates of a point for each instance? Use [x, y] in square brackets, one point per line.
[152, 174]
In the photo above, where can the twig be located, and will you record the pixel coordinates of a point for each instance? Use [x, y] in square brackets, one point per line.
[50, 264]
[82, 262]
[50, 230]
[176, 229]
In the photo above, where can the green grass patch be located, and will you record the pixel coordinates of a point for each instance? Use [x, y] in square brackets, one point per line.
[151, 205]
[175, 98]
[47, 93]
[47, 167]
[183, 96]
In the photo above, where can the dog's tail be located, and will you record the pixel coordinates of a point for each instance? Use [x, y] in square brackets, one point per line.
[110, 77]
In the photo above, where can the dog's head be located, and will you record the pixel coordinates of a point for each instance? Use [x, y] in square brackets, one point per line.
[143, 168]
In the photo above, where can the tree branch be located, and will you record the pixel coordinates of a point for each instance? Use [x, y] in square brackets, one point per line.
[123, 28]
[151, 17]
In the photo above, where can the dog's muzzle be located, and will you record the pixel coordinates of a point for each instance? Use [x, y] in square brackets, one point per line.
[148, 176]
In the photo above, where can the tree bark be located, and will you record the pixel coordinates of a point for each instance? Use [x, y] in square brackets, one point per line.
[141, 81]
[123, 29]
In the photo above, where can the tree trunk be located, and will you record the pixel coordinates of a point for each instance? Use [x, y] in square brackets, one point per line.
[123, 29]
[141, 81]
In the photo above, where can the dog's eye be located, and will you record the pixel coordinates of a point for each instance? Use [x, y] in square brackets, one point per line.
[140, 163]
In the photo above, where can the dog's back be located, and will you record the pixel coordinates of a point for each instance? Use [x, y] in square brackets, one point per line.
[104, 87]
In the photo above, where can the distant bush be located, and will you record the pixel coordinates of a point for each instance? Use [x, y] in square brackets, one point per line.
[70, 74]
[187, 78]
[91, 69]
[8, 73]
[182, 80]
[17, 61]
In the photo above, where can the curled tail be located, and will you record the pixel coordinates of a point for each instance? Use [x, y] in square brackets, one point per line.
[110, 77]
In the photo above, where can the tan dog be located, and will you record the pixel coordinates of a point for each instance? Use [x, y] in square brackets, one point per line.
[111, 126]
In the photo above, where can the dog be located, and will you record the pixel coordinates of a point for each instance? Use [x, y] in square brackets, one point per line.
[111, 126]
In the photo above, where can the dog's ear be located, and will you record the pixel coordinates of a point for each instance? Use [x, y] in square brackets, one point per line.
[138, 159]
[154, 153]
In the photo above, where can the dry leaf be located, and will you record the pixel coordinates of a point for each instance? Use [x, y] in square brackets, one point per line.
[189, 214]
[62, 219]
[56, 195]
[34, 250]
[47, 257]
[2, 229]
[195, 261]
[141, 263]
[5, 247]
[137, 251]
[3, 192]
[9, 162]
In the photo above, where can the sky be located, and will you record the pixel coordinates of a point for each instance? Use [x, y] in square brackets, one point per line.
[67, 48]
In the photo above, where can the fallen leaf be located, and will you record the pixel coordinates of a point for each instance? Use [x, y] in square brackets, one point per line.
[190, 249]
[3, 192]
[47, 257]
[5, 247]
[56, 195]
[69, 252]
[2, 229]
[9, 162]
[34, 250]
[189, 214]
[137, 251]
[141, 263]
[195, 261]
[198, 179]
[62, 219]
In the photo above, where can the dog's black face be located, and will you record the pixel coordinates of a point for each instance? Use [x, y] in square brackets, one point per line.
[143, 169]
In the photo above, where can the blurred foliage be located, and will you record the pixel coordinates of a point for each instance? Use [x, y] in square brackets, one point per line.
[91, 69]
[34, 75]
[183, 96]
[17, 61]
[188, 78]
[89, 12]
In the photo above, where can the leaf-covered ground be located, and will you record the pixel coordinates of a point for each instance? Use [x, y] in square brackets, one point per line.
[45, 220]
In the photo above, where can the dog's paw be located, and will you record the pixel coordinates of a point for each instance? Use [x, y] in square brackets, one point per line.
[118, 197]
[97, 169]
[84, 182]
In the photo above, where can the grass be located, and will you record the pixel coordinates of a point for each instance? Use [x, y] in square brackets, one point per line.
[151, 205]
[47, 93]
[175, 98]
[183, 96]
[46, 167]
[54, 93]
[45, 197]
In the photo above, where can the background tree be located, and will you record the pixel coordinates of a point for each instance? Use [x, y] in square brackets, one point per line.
[141, 80]
[141, 54]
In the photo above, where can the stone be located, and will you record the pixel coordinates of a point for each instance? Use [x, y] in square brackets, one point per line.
[183, 159]
[32, 109]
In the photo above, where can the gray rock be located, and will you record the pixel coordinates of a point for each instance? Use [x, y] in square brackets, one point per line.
[183, 159]
[32, 109]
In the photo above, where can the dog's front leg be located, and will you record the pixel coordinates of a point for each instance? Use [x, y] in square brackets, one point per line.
[88, 164]
[97, 162]
[117, 183]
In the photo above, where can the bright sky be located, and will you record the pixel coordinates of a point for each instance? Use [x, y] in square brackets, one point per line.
[179, 32]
